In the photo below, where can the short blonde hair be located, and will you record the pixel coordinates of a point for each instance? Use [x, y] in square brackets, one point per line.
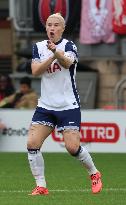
[59, 16]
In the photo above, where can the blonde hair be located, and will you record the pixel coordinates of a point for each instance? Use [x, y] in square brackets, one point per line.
[59, 16]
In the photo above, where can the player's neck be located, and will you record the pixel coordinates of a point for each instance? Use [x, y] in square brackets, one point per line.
[58, 41]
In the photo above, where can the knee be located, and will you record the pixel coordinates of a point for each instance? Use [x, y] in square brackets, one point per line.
[72, 149]
[75, 151]
[32, 141]
[30, 145]
[72, 141]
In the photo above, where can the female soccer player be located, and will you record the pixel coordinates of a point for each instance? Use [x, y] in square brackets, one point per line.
[55, 60]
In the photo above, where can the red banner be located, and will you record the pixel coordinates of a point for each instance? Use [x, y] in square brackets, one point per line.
[95, 132]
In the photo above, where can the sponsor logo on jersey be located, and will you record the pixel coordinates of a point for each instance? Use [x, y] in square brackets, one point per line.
[53, 68]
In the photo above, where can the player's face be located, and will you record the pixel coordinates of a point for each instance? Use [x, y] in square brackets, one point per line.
[54, 28]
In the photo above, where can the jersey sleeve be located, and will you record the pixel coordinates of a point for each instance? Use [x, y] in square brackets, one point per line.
[71, 51]
[35, 53]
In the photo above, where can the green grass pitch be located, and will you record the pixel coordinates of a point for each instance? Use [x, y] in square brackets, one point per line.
[67, 180]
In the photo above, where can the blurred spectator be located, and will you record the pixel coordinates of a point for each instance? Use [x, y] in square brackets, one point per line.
[26, 97]
[6, 86]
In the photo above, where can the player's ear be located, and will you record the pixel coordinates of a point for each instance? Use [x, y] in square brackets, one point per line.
[63, 28]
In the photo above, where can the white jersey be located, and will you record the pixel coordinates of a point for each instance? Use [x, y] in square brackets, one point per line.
[58, 87]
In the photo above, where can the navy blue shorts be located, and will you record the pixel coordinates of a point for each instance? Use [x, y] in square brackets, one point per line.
[66, 119]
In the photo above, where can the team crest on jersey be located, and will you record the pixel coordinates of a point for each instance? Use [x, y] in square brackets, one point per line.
[74, 47]
[48, 7]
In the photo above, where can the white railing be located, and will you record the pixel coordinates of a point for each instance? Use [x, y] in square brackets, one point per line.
[20, 11]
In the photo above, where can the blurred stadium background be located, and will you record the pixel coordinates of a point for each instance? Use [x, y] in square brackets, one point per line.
[102, 65]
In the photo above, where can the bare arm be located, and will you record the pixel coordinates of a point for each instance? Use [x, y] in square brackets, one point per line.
[39, 68]
[7, 100]
[65, 61]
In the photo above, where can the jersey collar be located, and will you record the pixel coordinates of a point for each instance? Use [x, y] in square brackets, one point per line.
[59, 41]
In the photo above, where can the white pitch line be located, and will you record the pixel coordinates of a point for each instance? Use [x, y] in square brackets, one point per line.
[67, 190]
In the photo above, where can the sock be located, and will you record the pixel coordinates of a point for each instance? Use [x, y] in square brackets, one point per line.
[85, 158]
[36, 162]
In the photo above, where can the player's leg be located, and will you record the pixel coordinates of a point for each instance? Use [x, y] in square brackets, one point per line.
[72, 143]
[36, 136]
[70, 121]
[41, 127]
